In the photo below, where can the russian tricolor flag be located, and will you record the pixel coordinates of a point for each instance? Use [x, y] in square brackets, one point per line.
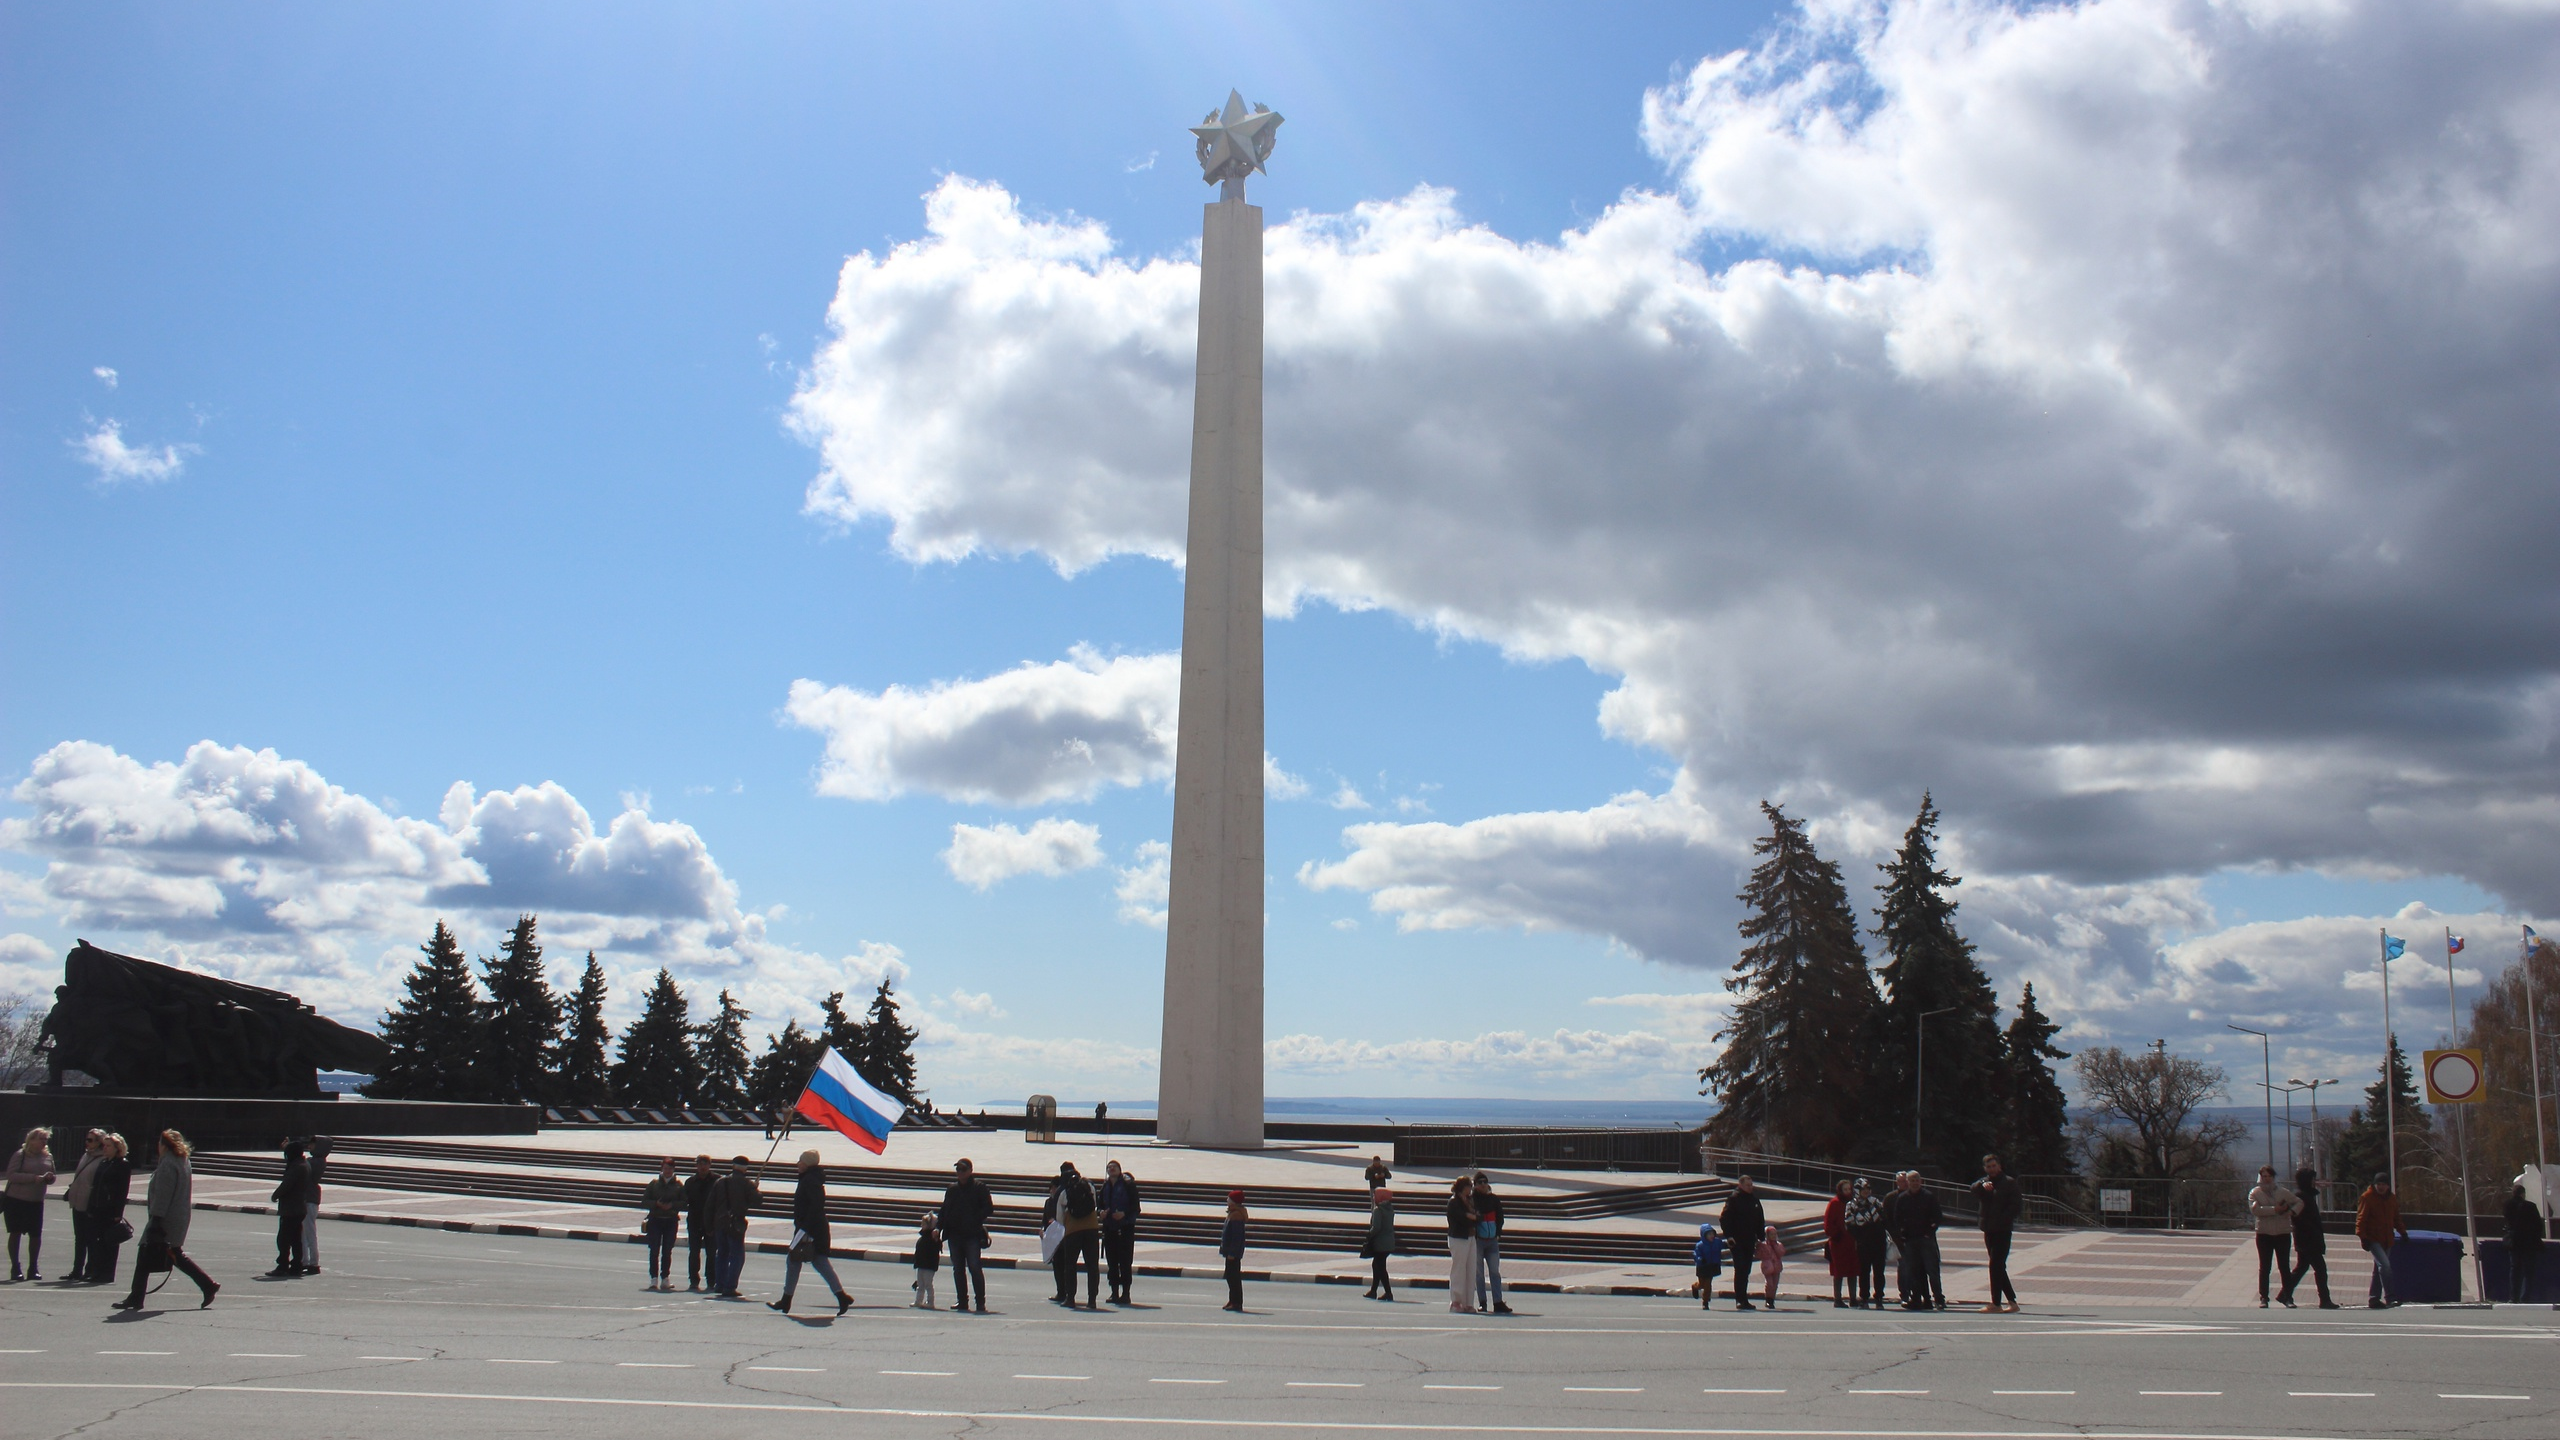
[846, 1103]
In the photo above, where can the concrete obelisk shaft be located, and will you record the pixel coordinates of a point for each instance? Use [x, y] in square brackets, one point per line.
[1211, 1081]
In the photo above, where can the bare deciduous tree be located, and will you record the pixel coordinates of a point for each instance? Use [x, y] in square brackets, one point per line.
[2141, 1107]
[21, 1022]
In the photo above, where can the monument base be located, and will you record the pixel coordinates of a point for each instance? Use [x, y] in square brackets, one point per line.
[227, 1123]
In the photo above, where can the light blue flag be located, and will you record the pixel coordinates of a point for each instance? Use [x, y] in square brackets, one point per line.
[2393, 946]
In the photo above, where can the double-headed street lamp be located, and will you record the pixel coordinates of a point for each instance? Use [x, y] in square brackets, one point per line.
[2267, 1067]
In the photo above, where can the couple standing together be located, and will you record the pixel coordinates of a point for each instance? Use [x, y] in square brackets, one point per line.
[1475, 1246]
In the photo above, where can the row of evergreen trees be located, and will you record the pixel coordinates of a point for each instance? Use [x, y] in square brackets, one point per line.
[1821, 1062]
[522, 1041]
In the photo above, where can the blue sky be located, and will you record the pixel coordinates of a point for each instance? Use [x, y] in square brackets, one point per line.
[487, 355]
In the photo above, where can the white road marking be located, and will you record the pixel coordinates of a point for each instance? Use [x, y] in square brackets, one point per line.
[648, 1365]
[2484, 1397]
[21, 1352]
[259, 1355]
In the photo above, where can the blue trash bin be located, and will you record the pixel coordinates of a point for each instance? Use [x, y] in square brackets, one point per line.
[2546, 1274]
[2428, 1268]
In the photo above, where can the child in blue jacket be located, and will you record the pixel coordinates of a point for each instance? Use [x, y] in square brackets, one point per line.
[1710, 1257]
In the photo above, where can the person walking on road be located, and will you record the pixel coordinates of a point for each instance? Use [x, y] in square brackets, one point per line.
[75, 1196]
[2378, 1228]
[292, 1196]
[661, 1207]
[967, 1206]
[927, 1259]
[1916, 1222]
[1839, 1252]
[1865, 1218]
[1999, 1201]
[171, 1206]
[1462, 1246]
[110, 1187]
[733, 1199]
[1078, 1213]
[2271, 1211]
[1708, 1255]
[2524, 1233]
[1744, 1221]
[2310, 1246]
[809, 1236]
[29, 1174]
[1119, 1230]
[701, 1236]
[1488, 1247]
[1231, 1250]
[1380, 1242]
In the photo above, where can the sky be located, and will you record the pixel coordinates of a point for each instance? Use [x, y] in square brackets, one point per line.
[715, 478]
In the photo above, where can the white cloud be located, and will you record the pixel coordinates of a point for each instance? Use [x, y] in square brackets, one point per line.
[29, 967]
[1279, 784]
[1146, 884]
[2133, 441]
[980, 856]
[1032, 735]
[1580, 1056]
[980, 1004]
[1347, 796]
[106, 451]
[106, 375]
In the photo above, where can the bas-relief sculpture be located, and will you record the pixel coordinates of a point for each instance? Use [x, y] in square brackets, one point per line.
[134, 1025]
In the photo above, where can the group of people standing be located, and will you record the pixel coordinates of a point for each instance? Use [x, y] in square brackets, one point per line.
[1863, 1232]
[1095, 1227]
[1475, 1244]
[100, 1190]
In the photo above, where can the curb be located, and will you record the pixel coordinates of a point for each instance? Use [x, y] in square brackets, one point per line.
[900, 1257]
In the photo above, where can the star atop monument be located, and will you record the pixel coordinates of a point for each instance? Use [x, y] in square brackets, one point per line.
[1233, 143]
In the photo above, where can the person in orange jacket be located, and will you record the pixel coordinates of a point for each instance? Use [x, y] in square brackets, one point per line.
[2378, 1228]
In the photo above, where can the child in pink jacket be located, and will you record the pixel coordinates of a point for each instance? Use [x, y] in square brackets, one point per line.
[1773, 1258]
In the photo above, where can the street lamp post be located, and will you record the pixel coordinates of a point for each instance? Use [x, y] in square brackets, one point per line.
[2267, 1069]
[1920, 1072]
[2314, 1148]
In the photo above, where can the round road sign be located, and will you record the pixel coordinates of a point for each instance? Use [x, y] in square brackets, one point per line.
[2454, 1075]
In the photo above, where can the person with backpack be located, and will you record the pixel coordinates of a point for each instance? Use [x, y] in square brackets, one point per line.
[967, 1206]
[1864, 1216]
[1708, 1255]
[1119, 1229]
[1072, 1205]
[1744, 1221]
[1380, 1243]
[2310, 1243]
[1488, 1247]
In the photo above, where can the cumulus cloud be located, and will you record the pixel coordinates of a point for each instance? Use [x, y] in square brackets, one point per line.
[1583, 1056]
[1146, 884]
[980, 856]
[106, 375]
[119, 461]
[2127, 419]
[1032, 735]
[1279, 784]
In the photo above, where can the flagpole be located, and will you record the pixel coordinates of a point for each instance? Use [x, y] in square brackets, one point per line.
[2390, 1090]
[2461, 1129]
[791, 1116]
[2533, 1057]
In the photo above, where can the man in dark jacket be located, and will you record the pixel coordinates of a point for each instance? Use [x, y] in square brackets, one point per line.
[292, 1196]
[810, 1236]
[1997, 1196]
[733, 1199]
[1119, 1229]
[2524, 1228]
[2310, 1243]
[1743, 1221]
[967, 1205]
[1916, 1222]
[1893, 1199]
[699, 1233]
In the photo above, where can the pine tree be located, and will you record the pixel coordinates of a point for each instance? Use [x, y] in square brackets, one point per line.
[774, 1084]
[2035, 1140]
[657, 1065]
[435, 1035]
[522, 1043]
[841, 1032]
[585, 1076]
[888, 1050]
[1789, 1077]
[1932, 973]
[723, 1050]
[2363, 1151]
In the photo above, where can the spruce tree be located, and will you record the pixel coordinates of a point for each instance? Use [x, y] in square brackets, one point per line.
[657, 1065]
[723, 1050]
[888, 1049]
[2363, 1150]
[1932, 973]
[522, 1044]
[585, 1076]
[1789, 1079]
[2036, 1138]
[774, 1084]
[435, 1034]
[841, 1032]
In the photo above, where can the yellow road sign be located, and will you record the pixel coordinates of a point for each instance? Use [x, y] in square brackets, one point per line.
[2454, 1077]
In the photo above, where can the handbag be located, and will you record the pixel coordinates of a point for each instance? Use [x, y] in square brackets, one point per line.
[154, 1255]
[803, 1249]
[122, 1230]
[1052, 1236]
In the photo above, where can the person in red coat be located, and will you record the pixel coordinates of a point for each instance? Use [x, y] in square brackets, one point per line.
[1837, 1245]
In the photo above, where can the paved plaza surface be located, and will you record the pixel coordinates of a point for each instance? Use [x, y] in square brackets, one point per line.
[430, 1333]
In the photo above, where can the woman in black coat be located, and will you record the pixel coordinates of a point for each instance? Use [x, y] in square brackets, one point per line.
[110, 1188]
[809, 1237]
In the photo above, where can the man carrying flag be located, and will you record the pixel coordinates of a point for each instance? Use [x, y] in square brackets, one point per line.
[844, 1102]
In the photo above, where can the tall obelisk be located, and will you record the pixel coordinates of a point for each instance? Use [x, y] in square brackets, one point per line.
[1210, 1086]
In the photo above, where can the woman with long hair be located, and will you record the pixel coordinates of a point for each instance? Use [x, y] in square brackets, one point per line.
[1462, 1246]
[110, 1187]
[171, 1205]
[1837, 1246]
[29, 1174]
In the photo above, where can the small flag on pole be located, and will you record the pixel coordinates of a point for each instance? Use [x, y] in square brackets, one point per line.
[846, 1103]
[2453, 944]
[2393, 946]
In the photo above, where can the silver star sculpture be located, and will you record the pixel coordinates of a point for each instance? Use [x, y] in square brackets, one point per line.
[1233, 144]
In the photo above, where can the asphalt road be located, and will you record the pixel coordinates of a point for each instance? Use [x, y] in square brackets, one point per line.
[428, 1334]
